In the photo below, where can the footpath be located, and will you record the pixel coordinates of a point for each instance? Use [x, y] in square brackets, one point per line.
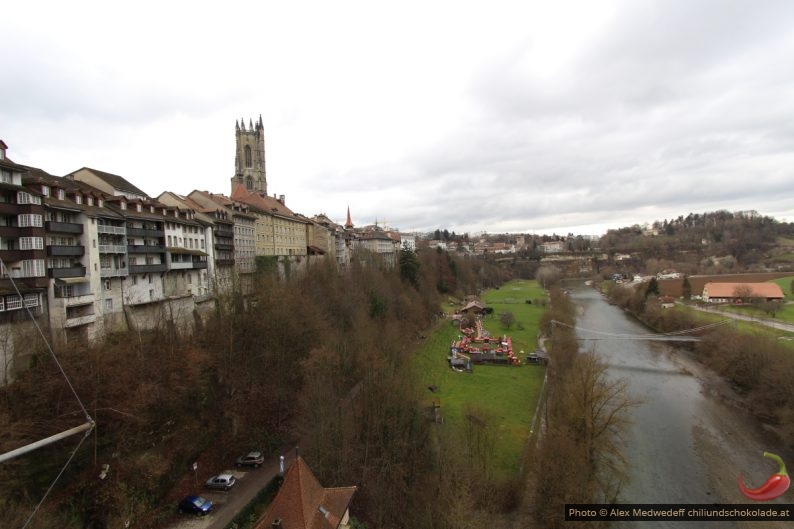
[761, 321]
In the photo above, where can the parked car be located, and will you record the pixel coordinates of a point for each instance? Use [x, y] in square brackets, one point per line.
[221, 482]
[195, 505]
[251, 459]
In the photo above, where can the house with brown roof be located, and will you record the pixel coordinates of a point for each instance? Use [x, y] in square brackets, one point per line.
[302, 503]
[279, 232]
[738, 292]
[473, 307]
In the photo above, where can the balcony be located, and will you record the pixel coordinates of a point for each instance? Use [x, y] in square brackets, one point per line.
[143, 232]
[222, 246]
[57, 250]
[199, 265]
[145, 248]
[80, 320]
[224, 262]
[224, 233]
[73, 271]
[181, 265]
[112, 248]
[63, 227]
[113, 272]
[148, 269]
[112, 230]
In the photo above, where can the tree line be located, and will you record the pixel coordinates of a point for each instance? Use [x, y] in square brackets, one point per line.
[579, 457]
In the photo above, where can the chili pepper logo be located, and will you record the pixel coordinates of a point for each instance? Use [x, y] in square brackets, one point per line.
[776, 485]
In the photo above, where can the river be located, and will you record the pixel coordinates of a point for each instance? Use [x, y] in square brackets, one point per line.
[688, 441]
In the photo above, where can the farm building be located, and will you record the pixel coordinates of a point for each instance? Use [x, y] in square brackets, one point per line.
[473, 307]
[738, 292]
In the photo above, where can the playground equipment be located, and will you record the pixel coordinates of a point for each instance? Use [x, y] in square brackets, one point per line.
[462, 353]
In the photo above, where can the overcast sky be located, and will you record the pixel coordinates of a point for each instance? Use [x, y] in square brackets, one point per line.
[472, 116]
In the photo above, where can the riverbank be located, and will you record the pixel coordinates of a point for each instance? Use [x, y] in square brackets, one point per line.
[732, 442]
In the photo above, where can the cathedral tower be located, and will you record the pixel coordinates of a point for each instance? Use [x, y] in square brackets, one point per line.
[249, 161]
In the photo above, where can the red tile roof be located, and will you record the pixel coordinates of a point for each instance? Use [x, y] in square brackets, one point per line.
[728, 290]
[260, 201]
[302, 503]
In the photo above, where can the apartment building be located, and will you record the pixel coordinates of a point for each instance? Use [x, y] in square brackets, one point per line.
[279, 232]
[217, 240]
[241, 241]
[188, 254]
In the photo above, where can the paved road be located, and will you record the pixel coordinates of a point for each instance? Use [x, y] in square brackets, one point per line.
[762, 321]
[228, 504]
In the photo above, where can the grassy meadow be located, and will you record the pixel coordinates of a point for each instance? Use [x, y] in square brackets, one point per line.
[504, 396]
[746, 327]
[785, 286]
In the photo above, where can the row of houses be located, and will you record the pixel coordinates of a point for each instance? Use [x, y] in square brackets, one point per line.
[89, 253]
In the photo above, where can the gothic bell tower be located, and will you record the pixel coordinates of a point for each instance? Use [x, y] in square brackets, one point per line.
[249, 161]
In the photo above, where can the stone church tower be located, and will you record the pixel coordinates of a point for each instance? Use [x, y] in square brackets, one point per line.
[249, 162]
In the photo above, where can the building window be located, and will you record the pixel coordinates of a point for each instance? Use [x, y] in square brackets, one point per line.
[31, 300]
[248, 161]
[27, 198]
[27, 220]
[108, 304]
[134, 280]
[45, 190]
[5, 176]
[13, 302]
[31, 243]
[107, 284]
[33, 268]
[61, 194]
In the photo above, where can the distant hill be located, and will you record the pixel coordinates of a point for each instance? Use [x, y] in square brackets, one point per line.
[753, 241]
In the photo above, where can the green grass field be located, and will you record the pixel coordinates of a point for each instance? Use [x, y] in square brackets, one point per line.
[785, 314]
[746, 327]
[506, 396]
[785, 286]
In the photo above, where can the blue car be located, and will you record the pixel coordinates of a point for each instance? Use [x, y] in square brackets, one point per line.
[195, 505]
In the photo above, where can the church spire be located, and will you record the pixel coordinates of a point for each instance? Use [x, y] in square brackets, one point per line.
[349, 223]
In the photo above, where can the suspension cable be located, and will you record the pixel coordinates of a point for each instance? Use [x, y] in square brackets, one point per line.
[653, 336]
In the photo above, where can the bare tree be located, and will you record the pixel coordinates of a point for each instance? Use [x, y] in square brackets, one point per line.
[507, 319]
[743, 292]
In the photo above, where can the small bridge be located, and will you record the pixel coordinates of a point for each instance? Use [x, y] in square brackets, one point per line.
[673, 336]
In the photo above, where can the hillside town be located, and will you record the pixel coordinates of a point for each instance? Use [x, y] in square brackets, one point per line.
[89, 253]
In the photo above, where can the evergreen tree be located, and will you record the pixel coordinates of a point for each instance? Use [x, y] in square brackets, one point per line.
[686, 288]
[653, 288]
[409, 267]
